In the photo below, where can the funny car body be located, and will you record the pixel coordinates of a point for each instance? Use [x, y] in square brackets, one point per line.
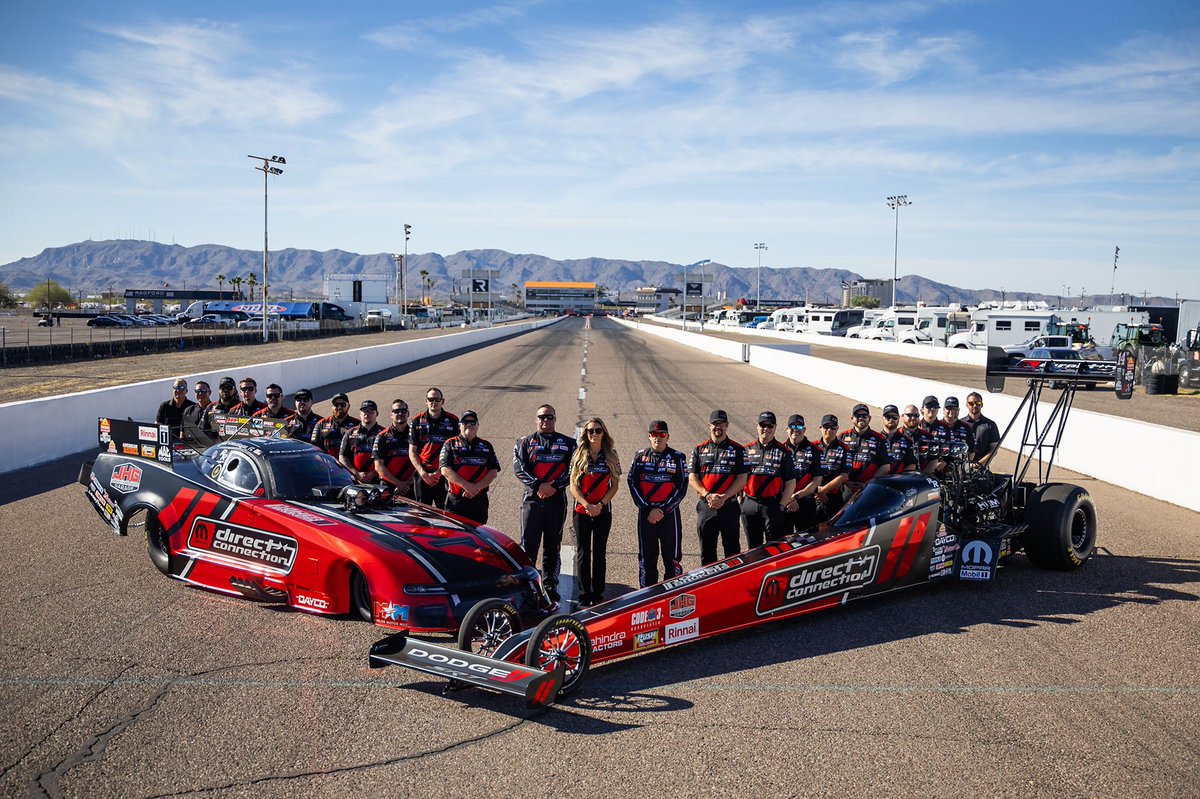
[276, 520]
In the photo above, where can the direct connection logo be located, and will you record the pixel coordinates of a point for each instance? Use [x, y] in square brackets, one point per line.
[209, 537]
[806, 582]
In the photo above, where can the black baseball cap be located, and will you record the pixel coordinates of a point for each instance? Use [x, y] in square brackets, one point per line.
[795, 419]
[368, 405]
[340, 398]
[469, 416]
[860, 408]
[889, 410]
[766, 417]
[302, 394]
[829, 420]
[951, 402]
[931, 402]
[718, 416]
[227, 381]
[657, 426]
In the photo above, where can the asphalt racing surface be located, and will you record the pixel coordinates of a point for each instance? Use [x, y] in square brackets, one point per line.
[116, 681]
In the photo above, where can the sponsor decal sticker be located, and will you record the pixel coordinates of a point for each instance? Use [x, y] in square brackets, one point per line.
[446, 664]
[643, 618]
[603, 643]
[299, 513]
[305, 601]
[683, 606]
[149, 450]
[806, 582]
[164, 454]
[105, 426]
[682, 631]
[126, 477]
[112, 447]
[976, 561]
[701, 573]
[647, 639]
[274, 552]
[129, 449]
[391, 612]
[148, 434]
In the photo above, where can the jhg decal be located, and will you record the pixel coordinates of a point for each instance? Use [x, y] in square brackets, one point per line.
[126, 477]
[683, 606]
[272, 551]
[797, 585]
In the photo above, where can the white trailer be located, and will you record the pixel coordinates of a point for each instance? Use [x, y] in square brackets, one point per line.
[1000, 328]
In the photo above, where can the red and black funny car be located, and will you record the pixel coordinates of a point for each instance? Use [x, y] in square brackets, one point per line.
[276, 520]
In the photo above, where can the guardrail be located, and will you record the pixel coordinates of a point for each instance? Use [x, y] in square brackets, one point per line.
[70, 419]
[1109, 448]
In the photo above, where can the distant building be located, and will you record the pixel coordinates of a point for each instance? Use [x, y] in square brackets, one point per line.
[652, 299]
[879, 288]
[557, 297]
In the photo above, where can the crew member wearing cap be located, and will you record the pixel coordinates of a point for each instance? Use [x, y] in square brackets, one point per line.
[800, 509]
[771, 478]
[717, 474]
[869, 456]
[330, 430]
[359, 442]
[390, 452]
[195, 416]
[469, 465]
[427, 432]
[901, 453]
[304, 423]
[956, 429]
[835, 469]
[226, 399]
[275, 409]
[929, 435]
[171, 411]
[985, 434]
[658, 483]
[250, 403]
[542, 462]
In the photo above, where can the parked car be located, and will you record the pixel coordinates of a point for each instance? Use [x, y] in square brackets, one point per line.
[108, 321]
[209, 321]
[255, 323]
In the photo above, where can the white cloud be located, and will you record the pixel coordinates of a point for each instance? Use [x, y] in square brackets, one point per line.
[888, 59]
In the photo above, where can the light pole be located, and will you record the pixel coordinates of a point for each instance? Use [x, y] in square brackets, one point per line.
[267, 169]
[404, 280]
[758, 300]
[896, 203]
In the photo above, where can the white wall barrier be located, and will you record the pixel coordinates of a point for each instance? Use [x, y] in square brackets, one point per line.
[41, 430]
[1109, 448]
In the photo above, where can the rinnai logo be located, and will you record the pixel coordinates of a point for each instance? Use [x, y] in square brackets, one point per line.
[683, 631]
[126, 478]
[640, 618]
[445, 663]
[148, 434]
[311, 602]
[683, 606]
[210, 537]
[797, 585]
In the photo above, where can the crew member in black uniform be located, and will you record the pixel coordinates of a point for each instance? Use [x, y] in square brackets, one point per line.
[985, 434]
[196, 415]
[900, 445]
[869, 455]
[594, 479]
[250, 403]
[771, 478]
[304, 423]
[274, 409]
[929, 435]
[226, 399]
[469, 465]
[392, 463]
[800, 510]
[717, 474]
[330, 430]
[542, 460]
[171, 412]
[658, 483]
[427, 432]
[835, 469]
[956, 428]
[359, 443]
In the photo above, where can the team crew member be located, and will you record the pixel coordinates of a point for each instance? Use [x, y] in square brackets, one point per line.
[330, 430]
[542, 462]
[359, 442]
[985, 434]
[593, 482]
[929, 435]
[835, 469]
[869, 455]
[250, 403]
[900, 446]
[196, 414]
[718, 473]
[171, 411]
[469, 465]
[226, 399]
[428, 431]
[800, 510]
[956, 428]
[658, 483]
[392, 463]
[304, 423]
[275, 409]
[771, 478]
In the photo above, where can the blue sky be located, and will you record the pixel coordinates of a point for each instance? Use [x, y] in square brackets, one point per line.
[1030, 137]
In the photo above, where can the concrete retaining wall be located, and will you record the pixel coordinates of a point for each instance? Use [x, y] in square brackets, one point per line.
[41, 430]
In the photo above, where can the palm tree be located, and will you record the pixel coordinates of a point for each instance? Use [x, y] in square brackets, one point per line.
[236, 282]
[252, 281]
[516, 294]
[426, 283]
[221, 284]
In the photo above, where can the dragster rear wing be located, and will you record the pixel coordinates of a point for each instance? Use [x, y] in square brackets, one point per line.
[1083, 372]
[538, 688]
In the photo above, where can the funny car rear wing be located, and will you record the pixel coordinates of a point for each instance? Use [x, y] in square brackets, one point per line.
[145, 440]
[538, 688]
[165, 444]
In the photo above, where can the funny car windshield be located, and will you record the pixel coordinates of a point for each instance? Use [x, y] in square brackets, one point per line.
[304, 475]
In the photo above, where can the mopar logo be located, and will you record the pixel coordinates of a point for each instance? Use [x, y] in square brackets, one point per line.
[806, 582]
[977, 553]
[490, 672]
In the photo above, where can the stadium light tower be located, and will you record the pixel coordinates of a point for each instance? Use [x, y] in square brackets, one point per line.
[896, 203]
[758, 299]
[267, 169]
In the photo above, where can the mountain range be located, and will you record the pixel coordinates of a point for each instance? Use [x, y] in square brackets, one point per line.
[96, 266]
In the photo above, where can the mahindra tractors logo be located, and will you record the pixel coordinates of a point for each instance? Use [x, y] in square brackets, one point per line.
[448, 665]
[126, 477]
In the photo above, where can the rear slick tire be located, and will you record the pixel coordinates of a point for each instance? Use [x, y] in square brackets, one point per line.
[360, 596]
[158, 543]
[1061, 530]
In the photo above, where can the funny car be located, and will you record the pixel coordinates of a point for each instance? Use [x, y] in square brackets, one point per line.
[277, 520]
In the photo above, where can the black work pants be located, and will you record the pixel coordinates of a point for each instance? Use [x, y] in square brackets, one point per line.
[473, 508]
[762, 518]
[801, 520]
[541, 528]
[434, 495]
[591, 552]
[711, 524]
[664, 537]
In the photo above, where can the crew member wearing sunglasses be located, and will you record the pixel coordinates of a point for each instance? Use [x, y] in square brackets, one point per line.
[171, 411]
[800, 510]
[541, 460]
[771, 479]
[275, 408]
[250, 403]
[469, 465]
[985, 434]
[658, 482]
[718, 473]
[332, 429]
[392, 463]
[899, 443]
[428, 431]
[594, 478]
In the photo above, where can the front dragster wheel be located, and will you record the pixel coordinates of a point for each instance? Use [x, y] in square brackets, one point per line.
[489, 623]
[561, 639]
[360, 596]
[1062, 526]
